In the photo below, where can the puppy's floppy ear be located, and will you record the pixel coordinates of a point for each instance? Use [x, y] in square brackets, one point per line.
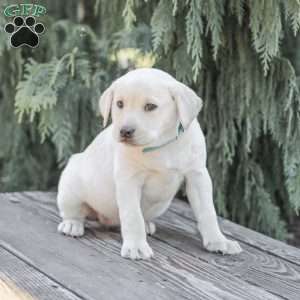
[105, 104]
[187, 102]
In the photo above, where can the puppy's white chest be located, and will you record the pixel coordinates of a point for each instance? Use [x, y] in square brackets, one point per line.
[162, 181]
[158, 191]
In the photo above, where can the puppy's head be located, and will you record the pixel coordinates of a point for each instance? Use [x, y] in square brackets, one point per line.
[146, 104]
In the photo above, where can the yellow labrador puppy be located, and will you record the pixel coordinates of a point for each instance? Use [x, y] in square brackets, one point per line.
[132, 170]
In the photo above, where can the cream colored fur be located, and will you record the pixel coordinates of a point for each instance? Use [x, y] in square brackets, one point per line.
[127, 186]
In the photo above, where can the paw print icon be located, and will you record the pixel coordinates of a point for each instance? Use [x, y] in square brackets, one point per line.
[24, 32]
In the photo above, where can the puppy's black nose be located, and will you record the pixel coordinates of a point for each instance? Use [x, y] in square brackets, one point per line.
[127, 132]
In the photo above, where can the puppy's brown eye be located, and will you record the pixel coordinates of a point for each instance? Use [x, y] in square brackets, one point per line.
[150, 106]
[120, 104]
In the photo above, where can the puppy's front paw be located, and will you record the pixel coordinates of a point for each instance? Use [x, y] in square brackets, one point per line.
[136, 250]
[223, 246]
[72, 228]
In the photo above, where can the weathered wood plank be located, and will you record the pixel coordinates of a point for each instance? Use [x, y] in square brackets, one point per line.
[25, 281]
[172, 274]
[90, 273]
[246, 235]
[255, 266]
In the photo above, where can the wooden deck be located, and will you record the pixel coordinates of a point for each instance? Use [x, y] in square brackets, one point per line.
[38, 263]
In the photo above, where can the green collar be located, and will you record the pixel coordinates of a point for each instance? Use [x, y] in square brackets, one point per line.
[180, 130]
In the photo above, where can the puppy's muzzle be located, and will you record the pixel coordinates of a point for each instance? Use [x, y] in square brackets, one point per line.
[126, 133]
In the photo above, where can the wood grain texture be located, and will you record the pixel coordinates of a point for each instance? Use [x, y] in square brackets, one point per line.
[246, 235]
[19, 280]
[91, 274]
[8, 290]
[93, 268]
[255, 266]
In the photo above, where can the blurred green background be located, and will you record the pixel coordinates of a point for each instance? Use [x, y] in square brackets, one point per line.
[242, 57]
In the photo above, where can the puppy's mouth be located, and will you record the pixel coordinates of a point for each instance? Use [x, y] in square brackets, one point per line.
[128, 141]
[132, 142]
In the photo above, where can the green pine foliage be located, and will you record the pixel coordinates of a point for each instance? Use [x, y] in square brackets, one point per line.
[230, 52]
[238, 55]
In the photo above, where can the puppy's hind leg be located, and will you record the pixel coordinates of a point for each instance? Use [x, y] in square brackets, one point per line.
[73, 213]
[150, 227]
[70, 201]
